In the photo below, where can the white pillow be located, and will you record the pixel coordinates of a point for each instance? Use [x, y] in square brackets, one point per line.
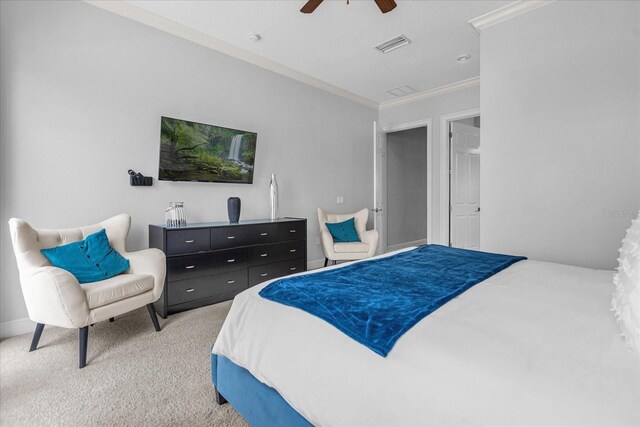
[626, 298]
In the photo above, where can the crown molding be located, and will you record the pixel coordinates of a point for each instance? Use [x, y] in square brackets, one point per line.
[134, 13]
[452, 87]
[506, 12]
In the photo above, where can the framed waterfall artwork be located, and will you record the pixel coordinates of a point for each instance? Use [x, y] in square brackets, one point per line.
[191, 151]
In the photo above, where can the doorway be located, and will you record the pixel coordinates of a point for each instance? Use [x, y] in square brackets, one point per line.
[407, 180]
[380, 182]
[464, 183]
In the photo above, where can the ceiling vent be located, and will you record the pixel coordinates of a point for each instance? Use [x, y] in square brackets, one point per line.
[402, 91]
[393, 44]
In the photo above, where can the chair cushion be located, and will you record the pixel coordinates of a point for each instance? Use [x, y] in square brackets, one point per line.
[89, 260]
[343, 231]
[116, 288]
[351, 247]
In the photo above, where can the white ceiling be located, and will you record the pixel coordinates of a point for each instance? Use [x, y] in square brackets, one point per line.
[335, 43]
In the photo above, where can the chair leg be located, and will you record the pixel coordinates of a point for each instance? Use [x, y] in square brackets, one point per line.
[112, 319]
[154, 317]
[84, 337]
[36, 336]
[326, 261]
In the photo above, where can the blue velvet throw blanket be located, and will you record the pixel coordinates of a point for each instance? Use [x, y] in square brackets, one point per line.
[375, 302]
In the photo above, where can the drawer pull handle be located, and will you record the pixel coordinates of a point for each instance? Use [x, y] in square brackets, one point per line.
[264, 274]
[231, 260]
[190, 241]
[189, 267]
[264, 254]
[292, 250]
[264, 234]
[292, 268]
[292, 231]
[190, 290]
[231, 237]
[231, 282]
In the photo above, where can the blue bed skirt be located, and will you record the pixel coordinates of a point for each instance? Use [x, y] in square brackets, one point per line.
[258, 403]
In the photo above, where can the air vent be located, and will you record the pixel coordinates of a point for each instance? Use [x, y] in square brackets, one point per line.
[402, 91]
[393, 44]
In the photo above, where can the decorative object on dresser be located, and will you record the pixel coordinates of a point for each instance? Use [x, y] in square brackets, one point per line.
[273, 197]
[212, 262]
[233, 209]
[175, 215]
[56, 297]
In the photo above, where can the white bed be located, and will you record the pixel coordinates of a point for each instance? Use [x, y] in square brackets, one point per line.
[535, 344]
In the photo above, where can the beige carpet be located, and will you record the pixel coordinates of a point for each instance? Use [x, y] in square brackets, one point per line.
[135, 376]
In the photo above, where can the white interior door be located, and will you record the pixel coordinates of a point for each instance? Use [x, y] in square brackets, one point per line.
[380, 185]
[464, 217]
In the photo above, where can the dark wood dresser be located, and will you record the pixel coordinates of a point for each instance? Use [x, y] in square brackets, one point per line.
[213, 262]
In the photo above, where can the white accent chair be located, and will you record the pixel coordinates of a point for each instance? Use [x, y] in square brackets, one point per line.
[54, 297]
[351, 251]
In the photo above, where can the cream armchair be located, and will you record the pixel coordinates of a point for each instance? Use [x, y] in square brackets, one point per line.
[365, 248]
[54, 297]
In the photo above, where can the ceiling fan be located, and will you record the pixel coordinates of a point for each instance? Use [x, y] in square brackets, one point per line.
[384, 5]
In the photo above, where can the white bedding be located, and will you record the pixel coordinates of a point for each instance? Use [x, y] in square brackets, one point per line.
[535, 344]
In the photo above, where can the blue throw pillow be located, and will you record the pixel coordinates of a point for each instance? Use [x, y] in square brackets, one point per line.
[343, 232]
[90, 260]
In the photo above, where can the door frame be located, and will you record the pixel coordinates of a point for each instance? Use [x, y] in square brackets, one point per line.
[397, 127]
[445, 150]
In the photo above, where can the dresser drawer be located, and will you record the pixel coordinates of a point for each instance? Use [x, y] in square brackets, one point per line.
[187, 241]
[266, 272]
[288, 267]
[226, 284]
[263, 233]
[229, 237]
[292, 230]
[266, 254]
[228, 260]
[190, 289]
[186, 266]
[231, 284]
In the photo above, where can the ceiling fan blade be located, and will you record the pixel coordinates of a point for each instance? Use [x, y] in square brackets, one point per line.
[310, 6]
[386, 5]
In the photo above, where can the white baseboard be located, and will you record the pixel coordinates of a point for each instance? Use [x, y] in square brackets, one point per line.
[406, 245]
[16, 327]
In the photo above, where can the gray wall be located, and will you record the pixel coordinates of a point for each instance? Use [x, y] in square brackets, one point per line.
[433, 108]
[82, 95]
[560, 94]
[406, 186]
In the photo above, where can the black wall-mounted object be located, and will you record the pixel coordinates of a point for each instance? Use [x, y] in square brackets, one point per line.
[136, 179]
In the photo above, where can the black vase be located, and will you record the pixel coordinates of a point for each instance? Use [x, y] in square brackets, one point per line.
[233, 208]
